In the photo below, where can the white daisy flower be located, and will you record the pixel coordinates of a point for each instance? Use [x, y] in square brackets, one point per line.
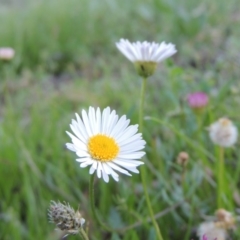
[223, 132]
[106, 143]
[145, 55]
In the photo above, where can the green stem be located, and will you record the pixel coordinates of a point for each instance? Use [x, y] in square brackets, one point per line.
[83, 234]
[220, 177]
[199, 120]
[142, 172]
[183, 176]
[92, 200]
[142, 96]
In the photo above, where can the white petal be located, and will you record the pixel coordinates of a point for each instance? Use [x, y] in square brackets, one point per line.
[128, 54]
[132, 169]
[81, 127]
[98, 121]
[105, 117]
[136, 155]
[120, 128]
[80, 130]
[71, 147]
[133, 147]
[77, 143]
[92, 120]
[85, 164]
[129, 50]
[99, 170]
[84, 159]
[129, 132]
[128, 163]
[82, 153]
[133, 139]
[106, 168]
[86, 123]
[76, 131]
[93, 167]
[114, 166]
[104, 174]
[112, 120]
[114, 174]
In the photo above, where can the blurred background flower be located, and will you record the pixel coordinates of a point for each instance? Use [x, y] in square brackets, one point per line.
[223, 132]
[6, 53]
[197, 100]
[145, 55]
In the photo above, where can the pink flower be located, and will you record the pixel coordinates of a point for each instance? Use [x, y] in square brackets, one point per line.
[206, 238]
[6, 53]
[197, 100]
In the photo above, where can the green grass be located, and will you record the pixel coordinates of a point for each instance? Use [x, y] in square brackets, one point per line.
[66, 61]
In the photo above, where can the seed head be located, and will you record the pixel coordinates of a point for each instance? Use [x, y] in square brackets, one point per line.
[209, 231]
[223, 132]
[65, 218]
[225, 219]
[182, 158]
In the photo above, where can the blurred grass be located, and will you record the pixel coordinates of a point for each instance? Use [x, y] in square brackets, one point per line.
[65, 61]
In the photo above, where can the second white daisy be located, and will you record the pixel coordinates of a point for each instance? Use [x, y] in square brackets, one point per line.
[106, 143]
[145, 55]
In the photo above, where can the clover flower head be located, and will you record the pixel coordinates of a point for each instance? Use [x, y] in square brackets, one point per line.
[197, 100]
[204, 237]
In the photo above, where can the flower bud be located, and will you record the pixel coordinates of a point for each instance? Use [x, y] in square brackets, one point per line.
[182, 158]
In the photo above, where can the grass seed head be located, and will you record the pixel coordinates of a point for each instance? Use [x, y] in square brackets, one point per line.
[65, 218]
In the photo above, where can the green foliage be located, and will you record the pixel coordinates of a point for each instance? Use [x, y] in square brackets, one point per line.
[66, 61]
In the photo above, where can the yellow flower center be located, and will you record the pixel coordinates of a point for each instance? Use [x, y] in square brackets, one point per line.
[102, 148]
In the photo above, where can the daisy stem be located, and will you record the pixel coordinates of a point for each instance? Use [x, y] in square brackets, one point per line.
[83, 234]
[220, 177]
[92, 200]
[142, 172]
[142, 96]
